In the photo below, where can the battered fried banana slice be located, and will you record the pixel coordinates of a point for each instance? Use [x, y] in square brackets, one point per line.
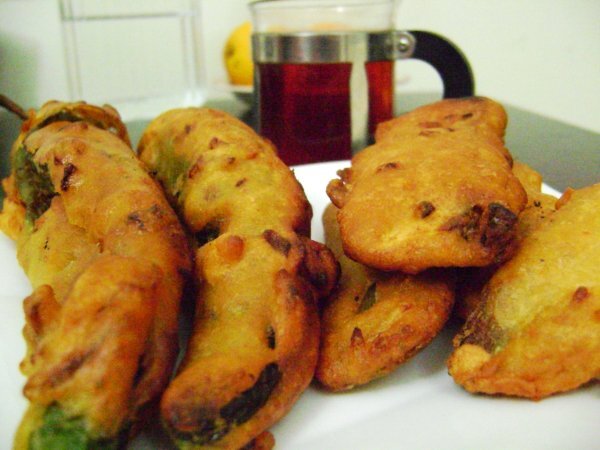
[539, 207]
[255, 336]
[537, 330]
[375, 321]
[435, 190]
[107, 258]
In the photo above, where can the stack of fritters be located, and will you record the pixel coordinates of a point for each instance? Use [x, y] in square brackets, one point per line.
[435, 209]
[438, 189]
[435, 192]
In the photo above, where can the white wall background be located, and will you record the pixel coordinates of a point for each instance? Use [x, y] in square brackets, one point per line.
[540, 55]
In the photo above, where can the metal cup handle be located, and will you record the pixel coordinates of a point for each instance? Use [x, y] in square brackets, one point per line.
[444, 56]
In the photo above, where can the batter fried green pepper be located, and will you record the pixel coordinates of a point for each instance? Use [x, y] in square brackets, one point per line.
[255, 337]
[107, 259]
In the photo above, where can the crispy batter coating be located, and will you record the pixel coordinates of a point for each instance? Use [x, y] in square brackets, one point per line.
[540, 206]
[537, 329]
[107, 258]
[375, 321]
[218, 171]
[435, 190]
[106, 118]
[255, 336]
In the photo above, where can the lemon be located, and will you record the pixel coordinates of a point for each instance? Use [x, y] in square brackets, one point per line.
[238, 55]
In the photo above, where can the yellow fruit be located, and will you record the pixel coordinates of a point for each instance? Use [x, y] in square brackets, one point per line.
[238, 55]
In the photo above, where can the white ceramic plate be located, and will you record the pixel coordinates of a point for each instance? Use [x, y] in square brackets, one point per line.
[416, 407]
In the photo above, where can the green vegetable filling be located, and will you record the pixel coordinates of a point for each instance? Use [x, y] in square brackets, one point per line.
[369, 298]
[237, 411]
[171, 171]
[33, 182]
[59, 432]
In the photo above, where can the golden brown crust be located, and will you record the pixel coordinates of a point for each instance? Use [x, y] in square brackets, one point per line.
[539, 208]
[219, 172]
[264, 441]
[537, 330]
[435, 190]
[107, 259]
[12, 215]
[123, 211]
[255, 338]
[375, 321]
[84, 361]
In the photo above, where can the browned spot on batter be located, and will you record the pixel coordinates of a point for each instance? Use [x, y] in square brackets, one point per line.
[499, 230]
[67, 368]
[425, 209]
[271, 337]
[69, 170]
[156, 210]
[241, 182]
[482, 329]
[407, 331]
[580, 294]
[467, 223]
[232, 248]
[135, 218]
[195, 169]
[344, 174]
[337, 192]
[389, 166]
[357, 337]
[214, 143]
[319, 266]
[430, 125]
[278, 242]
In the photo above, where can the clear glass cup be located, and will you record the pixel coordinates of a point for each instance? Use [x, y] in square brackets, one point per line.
[324, 72]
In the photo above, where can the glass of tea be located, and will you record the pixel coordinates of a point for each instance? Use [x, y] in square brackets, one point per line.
[324, 73]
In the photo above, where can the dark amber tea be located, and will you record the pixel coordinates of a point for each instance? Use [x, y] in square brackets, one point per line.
[315, 101]
[305, 108]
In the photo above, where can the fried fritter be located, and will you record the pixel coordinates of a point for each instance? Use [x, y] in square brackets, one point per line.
[255, 336]
[107, 257]
[374, 321]
[537, 330]
[539, 207]
[435, 190]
